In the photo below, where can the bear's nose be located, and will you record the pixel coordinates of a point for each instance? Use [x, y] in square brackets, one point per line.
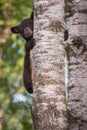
[28, 32]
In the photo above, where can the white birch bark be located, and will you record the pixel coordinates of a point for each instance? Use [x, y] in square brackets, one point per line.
[49, 105]
[76, 19]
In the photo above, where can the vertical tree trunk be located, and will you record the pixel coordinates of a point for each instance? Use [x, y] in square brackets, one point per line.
[76, 19]
[49, 105]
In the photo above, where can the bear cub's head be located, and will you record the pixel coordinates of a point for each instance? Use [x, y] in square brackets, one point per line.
[25, 28]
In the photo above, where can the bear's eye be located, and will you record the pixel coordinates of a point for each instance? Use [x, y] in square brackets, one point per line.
[28, 24]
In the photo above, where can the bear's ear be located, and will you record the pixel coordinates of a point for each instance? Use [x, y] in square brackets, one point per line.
[15, 29]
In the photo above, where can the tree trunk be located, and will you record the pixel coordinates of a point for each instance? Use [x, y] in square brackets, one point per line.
[76, 19]
[49, 105]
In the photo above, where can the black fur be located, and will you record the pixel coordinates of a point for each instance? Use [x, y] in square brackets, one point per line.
[25, 29]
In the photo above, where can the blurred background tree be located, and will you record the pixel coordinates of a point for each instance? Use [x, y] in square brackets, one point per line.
[13, 115]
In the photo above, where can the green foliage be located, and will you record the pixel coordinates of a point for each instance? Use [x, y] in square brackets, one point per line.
[16, 116]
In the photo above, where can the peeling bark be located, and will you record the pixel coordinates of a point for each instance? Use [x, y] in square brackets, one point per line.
[49, 105]
[76, 19]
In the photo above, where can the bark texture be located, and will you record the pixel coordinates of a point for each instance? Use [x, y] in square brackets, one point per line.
[49, 106]
[76, 19]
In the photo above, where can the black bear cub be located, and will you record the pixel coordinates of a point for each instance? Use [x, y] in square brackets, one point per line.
[25, 28]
